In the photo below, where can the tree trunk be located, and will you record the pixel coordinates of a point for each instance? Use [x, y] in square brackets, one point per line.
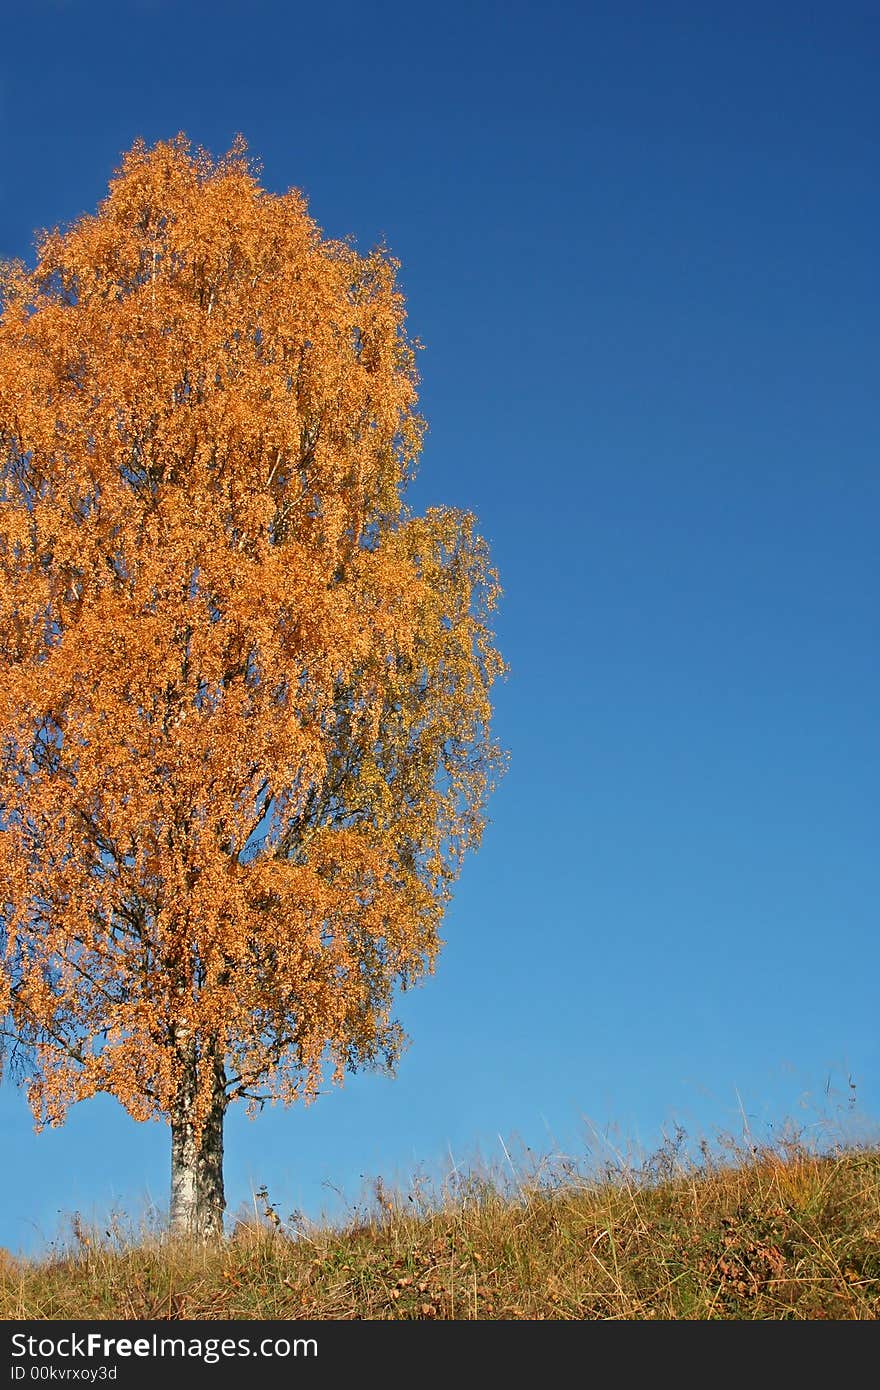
[197, 1197]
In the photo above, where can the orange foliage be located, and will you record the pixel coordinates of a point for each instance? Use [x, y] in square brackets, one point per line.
[217, 621]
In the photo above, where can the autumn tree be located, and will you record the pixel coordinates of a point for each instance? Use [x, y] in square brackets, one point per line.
[244, 692]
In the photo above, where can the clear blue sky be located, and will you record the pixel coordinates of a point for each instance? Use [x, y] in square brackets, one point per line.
[639, 243]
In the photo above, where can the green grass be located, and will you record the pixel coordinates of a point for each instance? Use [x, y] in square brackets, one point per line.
[778, 1232]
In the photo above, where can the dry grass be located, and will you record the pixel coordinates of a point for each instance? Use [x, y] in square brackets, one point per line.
[769, 1233]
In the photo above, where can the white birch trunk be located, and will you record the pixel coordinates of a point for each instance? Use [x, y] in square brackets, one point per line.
[197, 1196]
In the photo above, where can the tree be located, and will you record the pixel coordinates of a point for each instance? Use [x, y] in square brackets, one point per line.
[244, 692]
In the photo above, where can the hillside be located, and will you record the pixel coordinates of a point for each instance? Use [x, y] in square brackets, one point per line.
[762, 1234]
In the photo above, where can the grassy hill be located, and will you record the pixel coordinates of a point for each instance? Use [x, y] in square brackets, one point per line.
[759, 1233]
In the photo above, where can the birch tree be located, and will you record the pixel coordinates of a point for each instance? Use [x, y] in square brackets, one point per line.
[244, 691]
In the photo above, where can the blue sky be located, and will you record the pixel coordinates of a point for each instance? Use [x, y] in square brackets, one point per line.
[639, 244]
